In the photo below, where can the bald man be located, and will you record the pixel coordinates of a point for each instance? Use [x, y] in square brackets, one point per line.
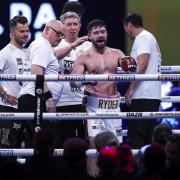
[42, 61]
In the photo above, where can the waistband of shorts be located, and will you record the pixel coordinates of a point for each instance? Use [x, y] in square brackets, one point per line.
[116, 96]
[102, 102]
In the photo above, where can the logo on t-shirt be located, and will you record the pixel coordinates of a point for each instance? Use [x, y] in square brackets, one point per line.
[19, 61]
[20, 65]
[68, 66]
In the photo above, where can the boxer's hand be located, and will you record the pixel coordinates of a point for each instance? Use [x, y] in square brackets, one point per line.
[128, 64]
[92, 83]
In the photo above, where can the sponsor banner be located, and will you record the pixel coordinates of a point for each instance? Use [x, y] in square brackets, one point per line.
[170, 77]
[7, 77]
[6, 115]
[129, 115]
[71, 77]
[164, 114]
[107, 115]
[72, 115]
[86, 115]
[6, 152]
[134, 114]
[121, 77]
[164, 68]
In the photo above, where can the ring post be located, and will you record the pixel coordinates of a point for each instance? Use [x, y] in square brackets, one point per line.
[39, 101]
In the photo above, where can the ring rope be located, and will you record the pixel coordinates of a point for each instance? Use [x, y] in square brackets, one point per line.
[30, 152]
[162, 69]
[67, 116]
[97, 77]
[57, 152]
[172, 99]
[82, 116]
[112, 115]
[17, 77]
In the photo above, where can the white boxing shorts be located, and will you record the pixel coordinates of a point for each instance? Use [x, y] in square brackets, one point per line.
[98, 103]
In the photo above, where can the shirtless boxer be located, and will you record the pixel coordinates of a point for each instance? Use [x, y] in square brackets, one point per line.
[101, 96]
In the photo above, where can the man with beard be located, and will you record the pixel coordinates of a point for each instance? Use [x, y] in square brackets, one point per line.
[142, 96]
[100, 96]
[12, 58]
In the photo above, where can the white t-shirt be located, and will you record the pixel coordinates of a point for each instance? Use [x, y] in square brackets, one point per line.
[41, 53]
[11, 62]
[145, 42]
[71, 96]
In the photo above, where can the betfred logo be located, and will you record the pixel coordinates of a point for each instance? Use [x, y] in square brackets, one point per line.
[7, 77]
[71, 77]
[121, 77]
[169, 77]
[6, 152]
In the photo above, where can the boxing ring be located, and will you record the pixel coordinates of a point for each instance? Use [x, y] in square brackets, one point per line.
[38, 116]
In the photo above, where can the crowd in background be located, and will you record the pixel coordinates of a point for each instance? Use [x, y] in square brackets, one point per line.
[114, 160]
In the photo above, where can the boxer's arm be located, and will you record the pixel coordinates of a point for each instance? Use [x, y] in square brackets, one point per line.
[78, 68]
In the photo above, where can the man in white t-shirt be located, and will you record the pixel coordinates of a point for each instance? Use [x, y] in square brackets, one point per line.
[12, 58]
[142, 96]
[43, 61]
[71, 98]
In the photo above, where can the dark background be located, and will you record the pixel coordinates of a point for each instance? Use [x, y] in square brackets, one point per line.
[112, 12]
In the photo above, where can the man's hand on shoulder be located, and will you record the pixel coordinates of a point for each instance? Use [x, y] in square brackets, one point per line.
[79, 41]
